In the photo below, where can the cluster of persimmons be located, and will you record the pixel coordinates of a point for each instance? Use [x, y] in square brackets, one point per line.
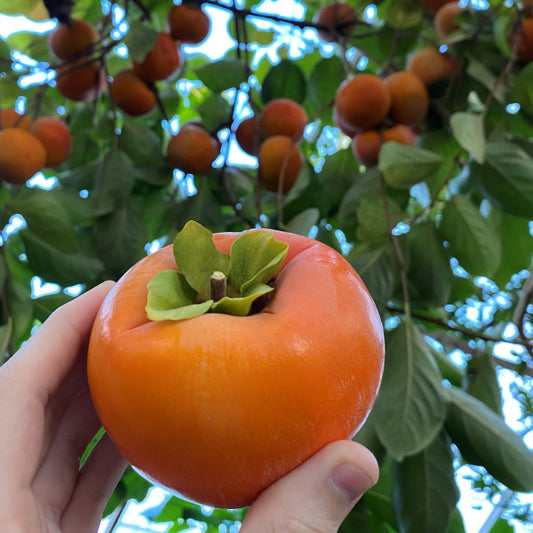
[27, 146]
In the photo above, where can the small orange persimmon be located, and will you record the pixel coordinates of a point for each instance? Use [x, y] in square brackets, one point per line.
[409, 98]
[69, 41]
[522, 41]
[282, 116]
[55, 136]
[339, 20]
[434, 5]
[192, 149]
[188, 24]
[80, 81]
[21, 155]
[10, 118]
[131, 94]
[431, 66]
[363, 101]
[163, 60]
[444, 21]
[247, 135]
[280, 162]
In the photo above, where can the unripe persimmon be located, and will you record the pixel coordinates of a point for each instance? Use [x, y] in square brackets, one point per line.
[522, 41]
[444, 21]
[431, 66]
[192, 149]
[131, 94]
[9, 118]
[80, 81]
[339, 18]
[434, 5]
[363, 101]
[280, 160]
[161, 62]
[21, 155]
[282, 116]
[55, 136]
[69, 41]
[188, 24]
[247, 135]
[409, 98]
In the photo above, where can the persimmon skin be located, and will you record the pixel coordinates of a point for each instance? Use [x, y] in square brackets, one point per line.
[10, 118]
[219, 407]
[247, 135]
[431, 66]
[56, 138]
[282, 116]
[444, 21]
[434, 5]
[279, 158]
[188, 24]
[21, 155]
[132, 94]
[67, 42]
[523, 41]
[339, 17]
[162, 62]
[409, 98]
[81, 81]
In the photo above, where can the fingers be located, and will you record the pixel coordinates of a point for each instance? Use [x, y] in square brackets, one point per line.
[97, 479]
[316, 496]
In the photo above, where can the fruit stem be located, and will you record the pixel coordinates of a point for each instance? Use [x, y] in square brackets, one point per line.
[217, 285]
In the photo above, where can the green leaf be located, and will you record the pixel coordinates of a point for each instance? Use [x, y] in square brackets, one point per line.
[255, 257]
[5, 336]
[372, 217]
[114, 182]
[471, 236]
[222, 75]
[170, 297]
[215, 111]
[241, 306]
[523, 89]
[303, 222]
[46, 215]
[506, 178]
[284, 80]
[404, 14]
[197, 257]
[478, 71]
[20, 306]
[484, 439]
[339, 174]
[324, 80]
[404, 166]
[470, 134]
[44, 306]
[140, 40]
[410, 407]
[141, 144]
[425, 493]
[482, 381]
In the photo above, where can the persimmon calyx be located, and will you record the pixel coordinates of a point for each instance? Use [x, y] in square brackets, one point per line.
[210, 281]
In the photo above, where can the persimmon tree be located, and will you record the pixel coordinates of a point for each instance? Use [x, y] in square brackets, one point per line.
[438, 223]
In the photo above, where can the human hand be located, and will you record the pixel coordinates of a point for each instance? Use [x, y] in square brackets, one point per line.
[47, 419]
[317, 496]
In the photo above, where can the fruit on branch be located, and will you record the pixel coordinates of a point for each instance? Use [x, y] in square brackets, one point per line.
[345, 128]
[131, 94]
[161, 62]
[280, 162]
[21, 155]
[366, 145]
[282, 116]
[70, 41]
[409, 98]
[522, 41]
[192, 149]
[82, 80]
[188, 24]
[10, 118]
[444, 21]
[434, 5]
[362, 102]
[218, 407]
[55, 136]
[340, 20]
[247, 135]
[431, 66]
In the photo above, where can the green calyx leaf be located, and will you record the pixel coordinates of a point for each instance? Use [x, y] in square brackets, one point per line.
[210, 281]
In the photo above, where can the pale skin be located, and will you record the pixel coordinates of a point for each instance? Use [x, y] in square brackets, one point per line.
[47, 419]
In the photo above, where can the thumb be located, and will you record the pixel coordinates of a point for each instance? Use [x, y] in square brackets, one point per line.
[318, 494]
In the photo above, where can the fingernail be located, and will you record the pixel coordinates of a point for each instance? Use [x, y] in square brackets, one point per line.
[351, 481]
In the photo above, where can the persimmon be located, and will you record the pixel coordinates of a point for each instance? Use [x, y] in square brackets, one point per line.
[69, 41]
[409, 98]
[217, 407]
[10, 118]
[80, 81]
[434, 5]
[282, 116]
[366, 145]
[522, 41]
[431, 66]
[247, 135]
[188, 24]
[132, 94]
[363, 101]
[348, 130]
[192, 149]
[21, 155]
[161, 62]
[55, 136]
[280, 160]
[444, 21]
[339, 18]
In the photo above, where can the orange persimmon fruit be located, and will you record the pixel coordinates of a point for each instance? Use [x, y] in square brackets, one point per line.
[56, 138]
[218, 407]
